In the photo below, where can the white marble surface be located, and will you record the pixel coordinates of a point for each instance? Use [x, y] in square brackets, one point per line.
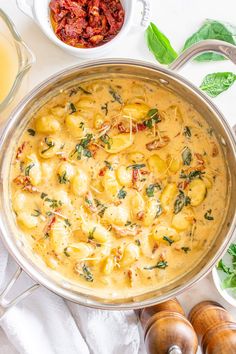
[177, 19]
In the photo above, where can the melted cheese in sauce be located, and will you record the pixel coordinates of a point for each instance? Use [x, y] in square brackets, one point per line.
[119, 185]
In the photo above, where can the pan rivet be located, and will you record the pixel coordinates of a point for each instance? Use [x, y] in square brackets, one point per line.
[164, 82]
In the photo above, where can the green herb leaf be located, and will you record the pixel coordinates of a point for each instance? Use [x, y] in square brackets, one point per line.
[166, 238]
[108, 165]
[54, 203]
[187, 156]
[106, 140]
[136, 166]
[159, 265]
[153, 118]
[77, 89]
[185, 249]
[91, 233]
[181, 201]
[192, 175]
[67, 222]
[81, 148]
[160, 45]
[36, 213]
[151, 189]
[49, 143]
[28, 168]
[208, 215]
[122, 193]
[137, 242]
[115, 95]
[71, 108]
[105, 108]
[87, 274]
[66, 253]
[187, 132]
[216, 83]
[101, 207]
[43, 195]
[31, 132]
[212, 29]
[63, 179]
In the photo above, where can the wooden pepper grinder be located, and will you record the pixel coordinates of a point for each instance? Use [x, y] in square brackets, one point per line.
[215, 328]
[167, 330]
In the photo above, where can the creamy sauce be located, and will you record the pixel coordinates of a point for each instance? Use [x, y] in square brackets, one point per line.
[119, 185]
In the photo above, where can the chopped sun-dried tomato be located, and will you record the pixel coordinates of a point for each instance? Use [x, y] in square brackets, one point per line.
[86, 23]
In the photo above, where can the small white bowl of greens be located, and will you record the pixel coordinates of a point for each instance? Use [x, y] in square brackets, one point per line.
[224, 275]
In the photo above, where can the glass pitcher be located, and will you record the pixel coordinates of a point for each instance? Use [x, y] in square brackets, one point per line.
[15, 61]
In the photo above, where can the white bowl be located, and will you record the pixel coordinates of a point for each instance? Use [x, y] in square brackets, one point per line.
[228, 294]
[39, 11]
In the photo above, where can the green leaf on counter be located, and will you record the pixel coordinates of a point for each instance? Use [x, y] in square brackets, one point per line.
[160, 45]
[216, 83]
[212, 29]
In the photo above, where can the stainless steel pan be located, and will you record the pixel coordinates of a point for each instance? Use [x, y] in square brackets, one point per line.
[106, 68]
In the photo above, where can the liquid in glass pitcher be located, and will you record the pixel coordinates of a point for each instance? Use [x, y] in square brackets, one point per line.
[15, 61]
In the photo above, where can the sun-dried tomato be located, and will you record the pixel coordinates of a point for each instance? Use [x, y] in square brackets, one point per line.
[86, 23]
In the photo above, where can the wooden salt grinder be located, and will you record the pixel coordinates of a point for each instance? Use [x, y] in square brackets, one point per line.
[215, 328]
[167, 330]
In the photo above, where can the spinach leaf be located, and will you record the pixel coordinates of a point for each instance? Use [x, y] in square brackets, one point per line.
[169, 240]
[208, 215]
[212, 29]
[28, 168]
[160, 45]
[151, 189]
[185, 249]
[159, 265]
[122, 193]
[216, 83]
[87, 274]
[187, 156]
[115, 95]
[181, 201]
[136, 166]
[192, 175]
[31, 132]
[187, 132]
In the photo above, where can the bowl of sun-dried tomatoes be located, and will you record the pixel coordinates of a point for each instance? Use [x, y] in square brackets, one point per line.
[85, 28]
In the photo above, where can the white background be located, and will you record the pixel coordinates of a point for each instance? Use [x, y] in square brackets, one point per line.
[178, 19]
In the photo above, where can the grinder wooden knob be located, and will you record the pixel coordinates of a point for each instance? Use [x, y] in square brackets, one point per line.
[167, 330]
[215, 328]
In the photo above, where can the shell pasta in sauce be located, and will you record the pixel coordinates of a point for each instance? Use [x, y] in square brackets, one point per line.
[118, 185]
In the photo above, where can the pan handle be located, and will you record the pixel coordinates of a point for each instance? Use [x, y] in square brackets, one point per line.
[221, 47]
[5, 304]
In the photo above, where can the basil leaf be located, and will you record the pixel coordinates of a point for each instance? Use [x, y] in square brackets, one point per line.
[212, 29]
[181, 201]
[160, 45]
[159, 265]
[122, 193]
[187, 156]
[216, 83]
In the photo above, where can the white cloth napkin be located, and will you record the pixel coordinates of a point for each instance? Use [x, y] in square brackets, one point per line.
[46, 324]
